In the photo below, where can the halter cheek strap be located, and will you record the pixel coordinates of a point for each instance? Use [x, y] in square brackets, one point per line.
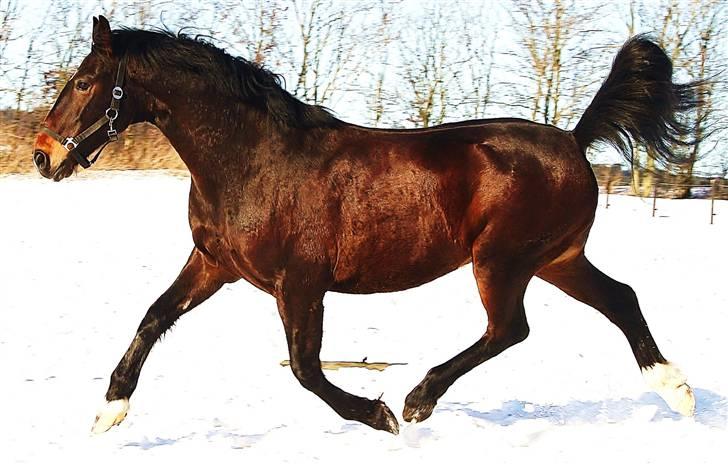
[112, 112]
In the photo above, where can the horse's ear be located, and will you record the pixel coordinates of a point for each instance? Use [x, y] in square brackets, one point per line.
[102, 35]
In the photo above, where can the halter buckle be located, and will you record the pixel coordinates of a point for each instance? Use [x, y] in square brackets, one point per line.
[117, 92]
[69, 144]
[113, 135]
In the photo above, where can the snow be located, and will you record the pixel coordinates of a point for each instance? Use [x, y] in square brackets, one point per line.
[83, 259]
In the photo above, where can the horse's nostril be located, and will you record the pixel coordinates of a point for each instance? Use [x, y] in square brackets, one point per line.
[40, 160]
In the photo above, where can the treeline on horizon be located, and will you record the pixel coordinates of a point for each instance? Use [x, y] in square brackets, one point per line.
[388, 63]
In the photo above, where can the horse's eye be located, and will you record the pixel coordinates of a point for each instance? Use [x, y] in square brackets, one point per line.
[82, 86]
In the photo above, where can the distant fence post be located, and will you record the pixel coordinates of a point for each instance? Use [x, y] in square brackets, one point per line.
[713, 194]
[609, 189]
[654, 199]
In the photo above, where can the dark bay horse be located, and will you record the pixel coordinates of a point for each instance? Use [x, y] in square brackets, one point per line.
[298, 203]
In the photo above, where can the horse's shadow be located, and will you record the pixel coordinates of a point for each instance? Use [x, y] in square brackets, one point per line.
[711, 410]
[237, 440]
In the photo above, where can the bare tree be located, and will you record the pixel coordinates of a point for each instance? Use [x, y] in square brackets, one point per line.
[380, 44]
[328, 46]
[8, 18]
[256, 26]
[477, 38]
[709, 29]
[554, 58]
[431, 64]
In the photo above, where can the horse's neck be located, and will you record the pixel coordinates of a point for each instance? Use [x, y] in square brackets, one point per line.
[214, 136]
[207, 135]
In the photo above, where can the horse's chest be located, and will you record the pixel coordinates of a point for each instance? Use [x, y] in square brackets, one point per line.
[238, 240]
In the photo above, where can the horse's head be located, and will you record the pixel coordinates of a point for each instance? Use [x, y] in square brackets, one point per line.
[90, 111]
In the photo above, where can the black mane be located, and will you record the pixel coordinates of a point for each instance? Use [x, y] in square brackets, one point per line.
[235, 77]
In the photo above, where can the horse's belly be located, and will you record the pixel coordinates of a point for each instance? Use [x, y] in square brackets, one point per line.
[394, 280]
[392, 262]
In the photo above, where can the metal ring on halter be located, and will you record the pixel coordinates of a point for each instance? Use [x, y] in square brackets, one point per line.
[117, 92]
[115, 114]
[69, 144]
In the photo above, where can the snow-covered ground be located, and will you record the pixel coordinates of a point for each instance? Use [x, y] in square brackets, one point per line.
[83, 259]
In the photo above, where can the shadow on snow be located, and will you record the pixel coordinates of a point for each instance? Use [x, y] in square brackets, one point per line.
[711, 410]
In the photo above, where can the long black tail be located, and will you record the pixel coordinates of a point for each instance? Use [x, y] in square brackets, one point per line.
[639, 103]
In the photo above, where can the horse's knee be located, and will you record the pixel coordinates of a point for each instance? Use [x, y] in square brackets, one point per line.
[308, 374]
[517, 333]
[508, 335]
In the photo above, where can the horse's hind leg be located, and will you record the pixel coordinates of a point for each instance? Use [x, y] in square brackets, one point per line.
[302, 311]
[501, 284]
[618, 302]
[197, 281]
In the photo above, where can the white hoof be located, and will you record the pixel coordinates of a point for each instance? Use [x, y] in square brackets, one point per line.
[671, 384]
[110, 414]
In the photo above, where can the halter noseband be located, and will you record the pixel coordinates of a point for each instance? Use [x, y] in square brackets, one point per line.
[112, 112]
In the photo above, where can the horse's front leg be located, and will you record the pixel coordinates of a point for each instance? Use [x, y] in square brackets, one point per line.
[302, 311]
[198, 280]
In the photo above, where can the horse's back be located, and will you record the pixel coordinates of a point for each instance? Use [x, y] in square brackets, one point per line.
[414, 202]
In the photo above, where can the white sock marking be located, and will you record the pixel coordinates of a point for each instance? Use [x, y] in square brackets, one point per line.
[671, 384]
[110, 414]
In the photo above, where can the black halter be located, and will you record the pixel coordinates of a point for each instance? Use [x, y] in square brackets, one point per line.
[112, 112]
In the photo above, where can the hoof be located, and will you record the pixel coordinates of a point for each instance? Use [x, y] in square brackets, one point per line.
[417, 407]
[681, 400]
[110, 414]
[384, 419]
[417, 413]
[671, 384]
